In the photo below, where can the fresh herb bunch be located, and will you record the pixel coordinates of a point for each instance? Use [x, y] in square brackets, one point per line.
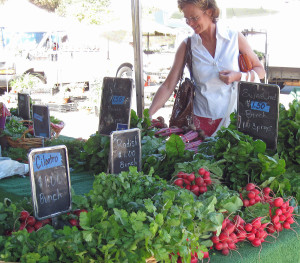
[96, 153]
[14, 127]
[163, 158]
[75, 148]
[54, 120]
[288, 146]
[244, 160]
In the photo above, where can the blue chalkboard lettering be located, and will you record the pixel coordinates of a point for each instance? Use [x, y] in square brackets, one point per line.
[38, 117]
[46, 161]
[259, 105]
[118, 100]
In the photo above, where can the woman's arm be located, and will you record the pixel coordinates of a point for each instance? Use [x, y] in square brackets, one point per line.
[229, 76]
[168, 86]
[257, 66]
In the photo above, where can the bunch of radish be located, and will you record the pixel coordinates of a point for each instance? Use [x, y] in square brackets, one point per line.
[196, 184]
[30, 223]
[238, 230]
[281, 214]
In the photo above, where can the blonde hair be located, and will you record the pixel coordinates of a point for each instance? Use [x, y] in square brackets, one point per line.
[203, 5]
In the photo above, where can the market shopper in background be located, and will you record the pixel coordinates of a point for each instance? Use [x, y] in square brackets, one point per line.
[216, 72]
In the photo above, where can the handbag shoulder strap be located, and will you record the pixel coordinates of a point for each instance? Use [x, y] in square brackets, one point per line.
[187, 59]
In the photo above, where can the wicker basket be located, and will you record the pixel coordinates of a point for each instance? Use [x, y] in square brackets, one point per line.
[25, 143]
[151, 260]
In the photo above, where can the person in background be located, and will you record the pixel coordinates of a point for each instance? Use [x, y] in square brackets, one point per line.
[216, 73]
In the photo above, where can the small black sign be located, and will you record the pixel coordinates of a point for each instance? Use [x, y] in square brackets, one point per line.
[50, 181]
[258, 111]
[41, 121]
[24, 106]
[125, 150]
[115, 104]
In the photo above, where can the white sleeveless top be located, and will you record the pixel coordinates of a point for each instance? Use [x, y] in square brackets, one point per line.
[213, 98]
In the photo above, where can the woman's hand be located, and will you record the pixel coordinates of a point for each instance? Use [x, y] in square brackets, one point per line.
[229, 76]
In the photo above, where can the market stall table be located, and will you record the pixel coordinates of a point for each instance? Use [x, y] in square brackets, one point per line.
[285, 249]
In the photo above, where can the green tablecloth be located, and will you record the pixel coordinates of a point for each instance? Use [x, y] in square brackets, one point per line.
[17, 187]
[285, 249]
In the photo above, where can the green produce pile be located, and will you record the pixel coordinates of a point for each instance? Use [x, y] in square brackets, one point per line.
[182, 207]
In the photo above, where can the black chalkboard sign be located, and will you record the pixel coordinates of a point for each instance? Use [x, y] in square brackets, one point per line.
[258, 111]
[41, 121]
[50, 181]
[24, 106]
[115, 104]
[125, 150]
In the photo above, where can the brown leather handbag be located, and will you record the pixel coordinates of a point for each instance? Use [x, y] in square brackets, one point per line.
[182, 112]
[244, 63]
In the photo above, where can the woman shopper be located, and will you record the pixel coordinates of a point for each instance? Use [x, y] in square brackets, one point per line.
[215, 51]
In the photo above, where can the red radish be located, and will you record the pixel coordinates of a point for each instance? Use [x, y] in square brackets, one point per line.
[256, 222]
[257, 198]
[191, 177]
[201, 171]
[256, 242]
[199, 181]
[266, 190]
[178, 182]
[290, 220]
[278, 212]
[231, 245]
[30, 221]
[218, 246]
[271, 229]
[250, 236]
[278, 202]
[248, 227]
[186, 181]
[22, 226]
[256, 191]
[206, 175]
[194, 259]
[251, 195]
[223, 237]
[250, 187]
[225, 251]
[233, 237]
[208, 181]
[275, 219]
[286, 225]
[30, 229]
[24, 215]
[73, 222]
[242, 235]
[215, 239]
[38, 225]
[202, 189]
[282, 218]
[238, 220]
[188, 187]
[252, 202]
[230, 227]
[225, 222]
[205, 254]
[246, 202]
[290, 209]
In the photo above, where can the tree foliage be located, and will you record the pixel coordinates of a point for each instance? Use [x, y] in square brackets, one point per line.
[87, 11]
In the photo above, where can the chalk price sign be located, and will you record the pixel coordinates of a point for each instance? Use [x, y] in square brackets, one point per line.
[50, 181]
[125, 149]
[258, 111]
[115, 104]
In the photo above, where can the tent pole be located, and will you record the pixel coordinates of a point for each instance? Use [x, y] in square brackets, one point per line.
[138, 55]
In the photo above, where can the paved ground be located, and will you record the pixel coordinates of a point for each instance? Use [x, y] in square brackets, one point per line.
[82, 124]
